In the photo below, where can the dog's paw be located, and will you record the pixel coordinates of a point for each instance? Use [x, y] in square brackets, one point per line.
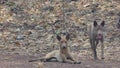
[71, 62]
[102, 58]
[31, 60]
[77, 62]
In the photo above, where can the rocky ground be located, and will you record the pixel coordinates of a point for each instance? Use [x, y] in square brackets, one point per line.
[29, 27]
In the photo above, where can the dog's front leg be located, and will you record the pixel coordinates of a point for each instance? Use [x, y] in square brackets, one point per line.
[73, 60]
[102, 50]
[69, 61]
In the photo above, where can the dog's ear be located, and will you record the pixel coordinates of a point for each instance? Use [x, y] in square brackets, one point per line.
[68, 36]
[103, 23]
[95, 23]
[58, 38]
[119, 19]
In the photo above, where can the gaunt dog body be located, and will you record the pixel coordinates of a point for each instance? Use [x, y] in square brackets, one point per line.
[96, 34]
[63, 54]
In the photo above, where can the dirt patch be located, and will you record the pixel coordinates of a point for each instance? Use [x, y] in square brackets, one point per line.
[21, 61]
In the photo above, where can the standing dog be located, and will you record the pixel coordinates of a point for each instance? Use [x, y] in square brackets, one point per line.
[96, 34]
[61, 55]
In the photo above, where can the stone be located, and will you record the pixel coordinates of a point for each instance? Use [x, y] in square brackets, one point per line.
[48, 8]
[20, 37]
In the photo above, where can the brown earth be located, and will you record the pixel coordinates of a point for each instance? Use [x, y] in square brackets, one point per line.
[21, 61]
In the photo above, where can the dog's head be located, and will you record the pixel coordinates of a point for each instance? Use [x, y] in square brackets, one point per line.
[99, 29]
[63, 39]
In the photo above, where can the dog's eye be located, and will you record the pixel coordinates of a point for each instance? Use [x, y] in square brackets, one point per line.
[64, 41]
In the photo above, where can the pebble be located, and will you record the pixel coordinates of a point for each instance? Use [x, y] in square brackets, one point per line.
[20, 37]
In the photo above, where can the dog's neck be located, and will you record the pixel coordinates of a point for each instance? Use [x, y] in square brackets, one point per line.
[64, 51]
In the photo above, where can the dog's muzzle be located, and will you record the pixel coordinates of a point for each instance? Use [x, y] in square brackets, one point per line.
[64, 47]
